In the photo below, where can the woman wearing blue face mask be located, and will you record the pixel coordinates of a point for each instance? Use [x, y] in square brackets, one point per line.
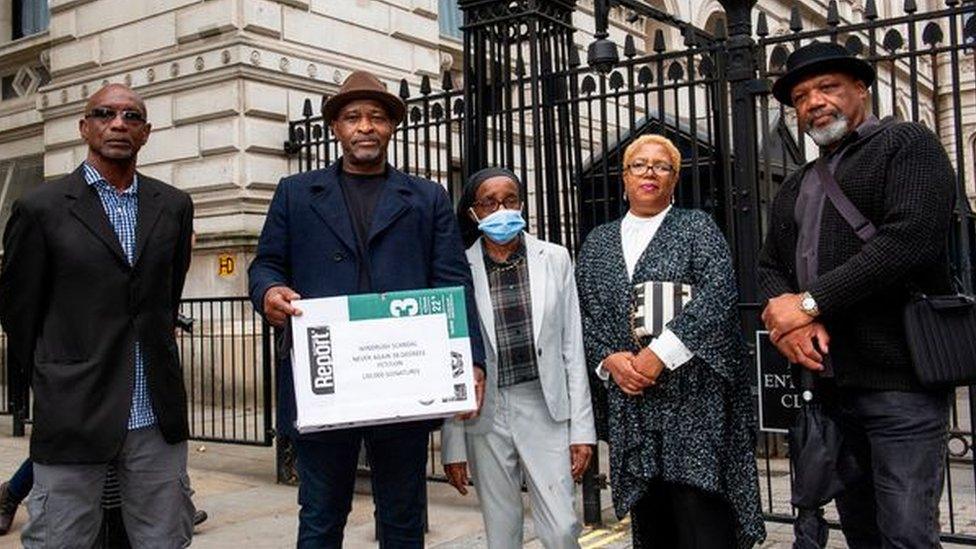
[536, 422]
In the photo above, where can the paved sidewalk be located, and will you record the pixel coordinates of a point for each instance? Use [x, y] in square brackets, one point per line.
[247, 509]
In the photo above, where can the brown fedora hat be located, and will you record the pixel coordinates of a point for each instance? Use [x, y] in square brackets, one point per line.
[363, 85]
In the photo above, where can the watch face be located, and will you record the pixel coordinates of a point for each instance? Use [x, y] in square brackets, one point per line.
[808, 304]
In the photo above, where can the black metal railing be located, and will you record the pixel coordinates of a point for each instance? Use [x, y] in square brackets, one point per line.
[227, 371]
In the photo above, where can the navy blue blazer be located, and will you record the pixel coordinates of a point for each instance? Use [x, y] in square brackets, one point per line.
[308, 244]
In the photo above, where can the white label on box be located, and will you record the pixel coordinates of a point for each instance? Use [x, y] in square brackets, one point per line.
[390, 357]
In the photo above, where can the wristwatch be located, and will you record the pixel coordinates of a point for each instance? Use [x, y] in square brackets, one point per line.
[809, 305]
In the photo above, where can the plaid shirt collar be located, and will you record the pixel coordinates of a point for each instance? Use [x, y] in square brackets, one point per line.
[95, 179]
[516, 255]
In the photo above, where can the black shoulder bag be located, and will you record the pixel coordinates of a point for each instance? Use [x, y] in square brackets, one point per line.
[941, 329]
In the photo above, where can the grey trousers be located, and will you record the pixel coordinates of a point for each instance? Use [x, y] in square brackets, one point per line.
[524, 442]
[65, 505]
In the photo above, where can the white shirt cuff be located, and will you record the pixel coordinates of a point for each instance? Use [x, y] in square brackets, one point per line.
[669, 349]
[601, 372]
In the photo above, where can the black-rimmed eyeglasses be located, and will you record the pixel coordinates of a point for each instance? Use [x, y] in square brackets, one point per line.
[641, 168]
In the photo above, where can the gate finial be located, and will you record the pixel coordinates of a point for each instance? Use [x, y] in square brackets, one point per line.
[602, 53]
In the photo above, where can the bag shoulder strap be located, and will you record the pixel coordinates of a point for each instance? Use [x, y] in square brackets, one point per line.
[862, 226]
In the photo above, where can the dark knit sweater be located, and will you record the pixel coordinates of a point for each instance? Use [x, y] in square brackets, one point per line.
[900, 178]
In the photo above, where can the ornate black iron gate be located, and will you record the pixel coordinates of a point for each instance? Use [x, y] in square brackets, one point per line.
[530, 104]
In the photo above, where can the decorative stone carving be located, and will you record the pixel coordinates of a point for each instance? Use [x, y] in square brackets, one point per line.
[26, 81]
[284, 64]
[256, 58]
[198, 63]
[447, 61]
[225, 57]
[174, 70]
[312, 70]
[151, 74]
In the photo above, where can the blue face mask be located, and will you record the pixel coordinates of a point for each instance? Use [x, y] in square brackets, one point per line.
[502, 226]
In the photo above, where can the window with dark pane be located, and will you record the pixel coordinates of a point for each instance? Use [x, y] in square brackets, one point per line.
[29, 17]
[450, 18]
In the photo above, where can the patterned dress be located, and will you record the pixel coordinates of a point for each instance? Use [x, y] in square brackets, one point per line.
[696, 426]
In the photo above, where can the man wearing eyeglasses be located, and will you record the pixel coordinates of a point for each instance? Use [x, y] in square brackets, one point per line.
[93, 269]
[358, 226]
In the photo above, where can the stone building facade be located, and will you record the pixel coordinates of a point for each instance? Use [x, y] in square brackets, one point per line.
[222, 77]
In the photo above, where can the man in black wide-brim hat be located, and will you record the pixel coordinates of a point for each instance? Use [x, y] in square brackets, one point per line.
[835, 294]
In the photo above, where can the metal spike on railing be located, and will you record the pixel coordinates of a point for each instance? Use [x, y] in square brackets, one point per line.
[689, 35]
[796, 21]
[574, 57]
[425, 85]
[317, 131]
[659, 45]
[762, 26]
[520, 67]
[777, 59]
[870, 10]
[676, 72]
[307, 108]
[932, 35]
[404, 89]
[616, 80]
[588, 86]
[645, 77]
[910, 7]
[706, 68]
[630, 49]
[833, 15]
[952, 3]
[892, 41]
[325, 99]
[447, 83]
[854, 45]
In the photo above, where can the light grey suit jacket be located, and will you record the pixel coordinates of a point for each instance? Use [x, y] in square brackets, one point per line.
[558, 335]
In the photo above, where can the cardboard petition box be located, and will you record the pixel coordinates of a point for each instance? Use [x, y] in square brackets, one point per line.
[381, 358]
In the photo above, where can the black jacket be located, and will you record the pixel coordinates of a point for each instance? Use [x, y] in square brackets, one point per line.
[73, 309]
[900, 178]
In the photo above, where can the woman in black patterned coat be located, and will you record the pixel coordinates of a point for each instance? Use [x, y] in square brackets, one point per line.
[678, 412]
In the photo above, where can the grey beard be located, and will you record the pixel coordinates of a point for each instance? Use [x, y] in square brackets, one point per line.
[831, 133]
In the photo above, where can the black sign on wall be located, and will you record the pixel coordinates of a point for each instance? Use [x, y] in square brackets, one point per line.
[779, 399]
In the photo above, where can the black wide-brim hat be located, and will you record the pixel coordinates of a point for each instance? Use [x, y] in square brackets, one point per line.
[364, 85]
[819, 58]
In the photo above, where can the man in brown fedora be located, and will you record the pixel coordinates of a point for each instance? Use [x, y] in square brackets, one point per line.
[358, 226]
[849, 235]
